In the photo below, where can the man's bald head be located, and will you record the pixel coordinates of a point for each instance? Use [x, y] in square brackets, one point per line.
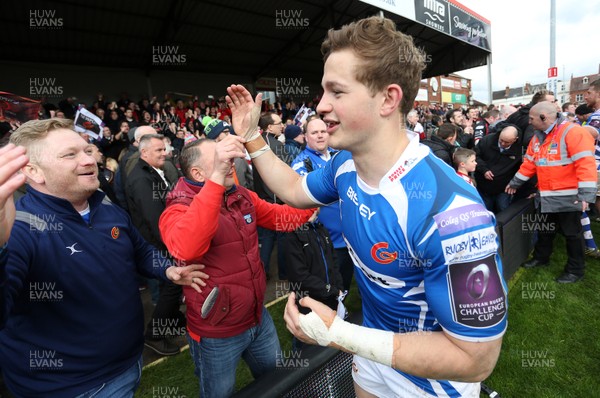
[508, 136]
[542, 115]
[507, 111]
[142, 131]
[545, 108]
[509, 133]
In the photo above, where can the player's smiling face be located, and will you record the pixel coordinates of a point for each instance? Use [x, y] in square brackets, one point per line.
[347, 106]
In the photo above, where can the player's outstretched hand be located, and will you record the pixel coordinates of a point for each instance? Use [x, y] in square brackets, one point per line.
[245, 111]
[292, 316]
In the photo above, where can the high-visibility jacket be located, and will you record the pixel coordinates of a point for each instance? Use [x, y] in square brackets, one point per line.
[564, 163]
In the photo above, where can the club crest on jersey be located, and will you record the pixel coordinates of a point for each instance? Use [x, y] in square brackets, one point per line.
[381, 255]
[115, 232]
[248, 218]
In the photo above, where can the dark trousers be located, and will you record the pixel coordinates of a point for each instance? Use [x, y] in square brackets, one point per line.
[167, 321]
[345, 265]
[496, 203]
[266, 240]
[569, 224]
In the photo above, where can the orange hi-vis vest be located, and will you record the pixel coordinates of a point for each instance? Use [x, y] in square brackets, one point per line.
[565, 166]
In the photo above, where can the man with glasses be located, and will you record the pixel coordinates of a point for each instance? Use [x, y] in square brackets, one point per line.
[498, 159]
[272, 128]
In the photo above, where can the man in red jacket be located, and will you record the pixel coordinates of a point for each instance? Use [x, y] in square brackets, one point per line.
[212, 221]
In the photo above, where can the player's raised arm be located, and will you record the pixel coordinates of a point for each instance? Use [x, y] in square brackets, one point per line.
[278, 176]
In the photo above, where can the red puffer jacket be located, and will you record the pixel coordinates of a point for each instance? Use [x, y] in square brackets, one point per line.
[203, 224]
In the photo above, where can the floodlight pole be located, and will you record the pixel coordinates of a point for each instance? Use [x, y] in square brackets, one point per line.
[489, 76]
[552, 33]
[552, 77]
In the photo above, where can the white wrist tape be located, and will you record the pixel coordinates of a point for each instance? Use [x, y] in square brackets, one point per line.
[314, 328]
[252, 134]
[373, 344]
[253, 129]
[260, 151]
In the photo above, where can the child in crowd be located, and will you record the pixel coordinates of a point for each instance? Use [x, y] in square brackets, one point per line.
[464, 163]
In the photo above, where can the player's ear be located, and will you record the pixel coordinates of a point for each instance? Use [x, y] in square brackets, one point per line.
[392, 96]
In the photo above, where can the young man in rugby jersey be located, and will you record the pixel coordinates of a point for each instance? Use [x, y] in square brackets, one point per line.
[423, 244]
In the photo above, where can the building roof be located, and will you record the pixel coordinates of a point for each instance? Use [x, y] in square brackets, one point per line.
[577, 83]
[528, 89]
[252, 39]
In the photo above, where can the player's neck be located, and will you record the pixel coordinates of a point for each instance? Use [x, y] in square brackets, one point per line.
[377, 158]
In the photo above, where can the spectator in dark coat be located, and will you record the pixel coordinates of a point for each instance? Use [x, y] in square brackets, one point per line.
[498, 159]
[443, 143]
[520, 118]
[464, 136]
[147, 188]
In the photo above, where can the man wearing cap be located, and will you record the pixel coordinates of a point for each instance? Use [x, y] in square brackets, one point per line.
[294, 139]
[217, 130]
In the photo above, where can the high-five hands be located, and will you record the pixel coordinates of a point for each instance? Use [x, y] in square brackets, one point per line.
[245, 111]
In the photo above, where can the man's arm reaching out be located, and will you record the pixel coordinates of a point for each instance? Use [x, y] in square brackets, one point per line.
[278, 176]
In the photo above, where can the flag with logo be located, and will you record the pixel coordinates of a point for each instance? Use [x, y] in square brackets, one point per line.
[302, 114]
[88, 123]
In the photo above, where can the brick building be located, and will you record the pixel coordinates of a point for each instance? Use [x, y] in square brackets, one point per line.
[579, 86]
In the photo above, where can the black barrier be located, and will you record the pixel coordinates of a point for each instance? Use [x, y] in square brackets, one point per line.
[326, 372]
[317, 372]
[516, 229]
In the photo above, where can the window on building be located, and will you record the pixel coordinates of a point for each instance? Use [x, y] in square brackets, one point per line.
[585, 80]
[579, 98]
[562, 87]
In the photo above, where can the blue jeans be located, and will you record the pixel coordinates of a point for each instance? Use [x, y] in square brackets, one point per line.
[216, 359]
[266, 241]
[496, 203]
[122, 386]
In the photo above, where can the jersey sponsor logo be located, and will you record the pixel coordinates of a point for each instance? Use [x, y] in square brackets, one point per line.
[381, 255]
[469, 246]
[465, 217]
[363, 209]
[476, 292]
[403, 168]
[115, 232]
[397, 173]
[382, 280]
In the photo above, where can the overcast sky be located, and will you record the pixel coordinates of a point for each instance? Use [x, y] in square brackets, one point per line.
[521, 42]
